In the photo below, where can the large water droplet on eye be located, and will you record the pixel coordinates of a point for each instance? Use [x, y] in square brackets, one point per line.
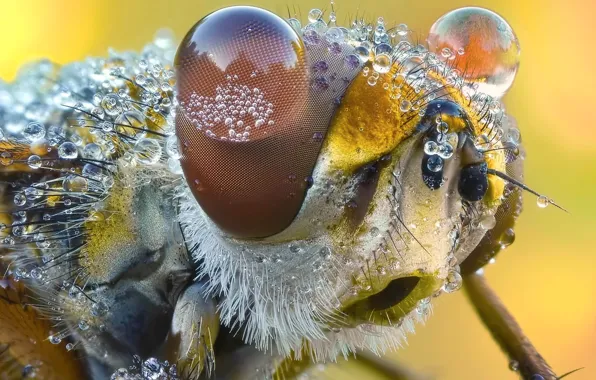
[481, 44]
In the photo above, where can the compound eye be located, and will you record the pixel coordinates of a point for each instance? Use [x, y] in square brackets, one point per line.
[243, 92]
[473, 182]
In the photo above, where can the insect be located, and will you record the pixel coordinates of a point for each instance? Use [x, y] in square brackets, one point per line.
[264, 196]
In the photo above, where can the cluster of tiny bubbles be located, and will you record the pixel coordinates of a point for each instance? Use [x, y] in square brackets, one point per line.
[239, 109]
[442, 148]
[372, 43]
[150, 369]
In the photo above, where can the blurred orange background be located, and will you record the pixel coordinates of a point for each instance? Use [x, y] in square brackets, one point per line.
[547, 278]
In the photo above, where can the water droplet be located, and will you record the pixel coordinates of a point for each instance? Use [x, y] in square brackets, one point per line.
[363, 53]
[315, 15]
[405, 105]
[111, 104]
[445, 151]
[507, 238]
[55, 339]
[311, 37]
[491, 48]
[453, 282]
[542, 201]
[431, 148]
[435, 164]
[320, 67]
[33, 132]
[130, 123]
[83, 325]
[442, 127]
[172, 147]
[147, 151]
[487, 222]
[382, 63]
[334, 35]
[5, 158]
[402, 30]
[352, 61]
[92, 151]
[320, 84]
[68, 150]
[372, 81]
[69, 347]
[75, 184]
[34, 162]
[20, 199]
[296, 25]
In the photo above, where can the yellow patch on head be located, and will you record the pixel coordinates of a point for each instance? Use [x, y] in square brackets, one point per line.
[368, 123]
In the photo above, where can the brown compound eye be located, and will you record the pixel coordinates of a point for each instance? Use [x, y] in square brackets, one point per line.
[245, 133]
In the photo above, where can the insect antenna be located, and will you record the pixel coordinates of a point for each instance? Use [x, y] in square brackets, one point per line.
[515, 182]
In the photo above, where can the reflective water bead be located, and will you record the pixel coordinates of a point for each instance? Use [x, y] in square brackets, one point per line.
[542, 201]
[320, 67]
[335, 48]
[453, 282]
[445, 151]
[431, 148]
[491, 47]
[405, 105]
[55, 339]
[131, 123]
[435, 164]
[83, 325]
[402, 30]
[20, 199]
[34, 161]
[34, 131]
[147, 151]
[311, 37]
[442, 127]
[33, 193]
[363, 53]
[68, 151]
[507, 238]
[92, 151]
[382, 63]
[334, 35]
[111, 104]
[352, 61]
[75, 183]
[315, 15]
[6, 158]
[174, 165]
[295, 24]
[172, 147]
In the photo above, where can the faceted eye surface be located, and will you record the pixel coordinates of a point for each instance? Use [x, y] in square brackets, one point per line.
[244, 130]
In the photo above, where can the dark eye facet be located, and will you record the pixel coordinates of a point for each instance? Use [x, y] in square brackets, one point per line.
[242, 120]
[473, 181]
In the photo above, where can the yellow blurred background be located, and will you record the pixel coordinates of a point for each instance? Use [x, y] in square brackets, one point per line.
[548, 277]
